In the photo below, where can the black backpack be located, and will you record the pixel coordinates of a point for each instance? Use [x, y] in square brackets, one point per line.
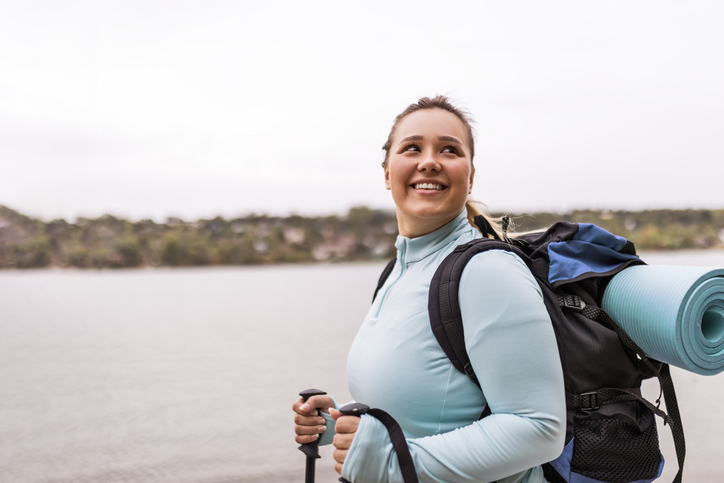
[611, 433]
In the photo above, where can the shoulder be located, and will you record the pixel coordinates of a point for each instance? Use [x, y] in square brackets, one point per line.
[496, 262]
[497, 291]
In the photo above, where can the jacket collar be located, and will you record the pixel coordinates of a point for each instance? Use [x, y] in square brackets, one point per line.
[415, 249]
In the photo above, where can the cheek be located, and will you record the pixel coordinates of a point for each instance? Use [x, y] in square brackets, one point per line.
[399, 172]
[462, 177]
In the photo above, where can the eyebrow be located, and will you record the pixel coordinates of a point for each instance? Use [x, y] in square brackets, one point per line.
[417, 137]
[449, 139]
[410, 138]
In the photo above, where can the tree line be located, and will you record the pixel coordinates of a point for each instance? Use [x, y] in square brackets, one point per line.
[362, 234]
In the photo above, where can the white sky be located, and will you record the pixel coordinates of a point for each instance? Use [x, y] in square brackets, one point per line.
[196, 109]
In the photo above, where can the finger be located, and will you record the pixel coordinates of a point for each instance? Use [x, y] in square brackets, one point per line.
[342, 441]
[306, 439]
[304, 430]
[308, 420]
[347, 424]
[322, 402]
[303, 408]
[334, 413]
[340, 455]
[296, 407]
[338, 468]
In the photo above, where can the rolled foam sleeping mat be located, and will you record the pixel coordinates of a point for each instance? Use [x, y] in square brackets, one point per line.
[674, 313]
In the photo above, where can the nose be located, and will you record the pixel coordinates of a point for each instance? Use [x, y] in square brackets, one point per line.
[429, 164]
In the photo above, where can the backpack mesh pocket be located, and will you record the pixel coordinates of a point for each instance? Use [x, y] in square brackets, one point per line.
[614, 450]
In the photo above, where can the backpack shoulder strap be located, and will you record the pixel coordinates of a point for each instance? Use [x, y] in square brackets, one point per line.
[443, 304]
[383, 277]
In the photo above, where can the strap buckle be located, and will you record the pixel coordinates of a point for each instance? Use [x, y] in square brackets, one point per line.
[572, 302]
[589, 401]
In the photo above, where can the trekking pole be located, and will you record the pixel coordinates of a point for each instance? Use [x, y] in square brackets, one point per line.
[397, 438]
[354, 409]
[310, 449]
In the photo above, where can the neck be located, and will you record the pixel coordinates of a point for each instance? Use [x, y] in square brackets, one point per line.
[420, 227]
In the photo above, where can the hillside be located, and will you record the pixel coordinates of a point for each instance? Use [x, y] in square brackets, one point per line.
[362, 234]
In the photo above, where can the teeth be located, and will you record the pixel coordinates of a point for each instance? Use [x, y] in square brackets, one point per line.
[428, 186]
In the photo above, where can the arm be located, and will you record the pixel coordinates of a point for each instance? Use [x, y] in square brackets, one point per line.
[513, 350]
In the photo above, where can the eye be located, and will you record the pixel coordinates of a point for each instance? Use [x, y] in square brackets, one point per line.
[451, 150]
[411, 147]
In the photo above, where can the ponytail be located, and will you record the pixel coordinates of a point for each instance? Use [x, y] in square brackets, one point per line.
[475, 208]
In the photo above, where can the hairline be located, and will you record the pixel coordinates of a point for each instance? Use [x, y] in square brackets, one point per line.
[426, 103]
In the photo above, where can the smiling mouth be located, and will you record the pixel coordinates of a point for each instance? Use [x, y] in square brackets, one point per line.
[429, 186]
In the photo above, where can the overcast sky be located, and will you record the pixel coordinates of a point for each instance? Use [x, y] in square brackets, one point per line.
[202, 108]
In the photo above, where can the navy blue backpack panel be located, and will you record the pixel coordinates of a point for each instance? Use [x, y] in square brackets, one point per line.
[591, 252]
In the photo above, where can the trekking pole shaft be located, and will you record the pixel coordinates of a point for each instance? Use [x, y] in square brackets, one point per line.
[309, 470]
[311, 450]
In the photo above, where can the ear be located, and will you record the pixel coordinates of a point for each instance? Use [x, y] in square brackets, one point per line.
[387, 177]
[472, 178]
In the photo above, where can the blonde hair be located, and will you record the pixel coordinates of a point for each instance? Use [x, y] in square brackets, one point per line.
[502, 225]
[474, 208]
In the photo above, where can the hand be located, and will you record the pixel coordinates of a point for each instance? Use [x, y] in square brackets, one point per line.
[345, 429]
[308, 423]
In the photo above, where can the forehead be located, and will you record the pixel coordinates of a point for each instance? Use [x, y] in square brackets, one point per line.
[431, 123]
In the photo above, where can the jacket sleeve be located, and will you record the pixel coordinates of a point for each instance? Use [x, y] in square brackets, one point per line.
[513, 350]
[328, 435]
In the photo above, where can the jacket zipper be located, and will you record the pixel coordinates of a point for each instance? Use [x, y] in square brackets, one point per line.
[403, 268]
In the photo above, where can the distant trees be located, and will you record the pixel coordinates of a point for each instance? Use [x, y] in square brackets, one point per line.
[23, 242]
[649, 230]
[363, 234]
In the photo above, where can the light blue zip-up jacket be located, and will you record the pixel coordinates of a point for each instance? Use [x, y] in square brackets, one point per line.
[396, 364]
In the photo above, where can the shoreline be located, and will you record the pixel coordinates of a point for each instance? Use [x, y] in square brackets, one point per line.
[646, 255]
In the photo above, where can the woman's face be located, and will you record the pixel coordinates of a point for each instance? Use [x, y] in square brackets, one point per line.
[429, 170]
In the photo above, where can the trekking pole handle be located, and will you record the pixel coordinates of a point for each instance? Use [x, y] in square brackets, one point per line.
[354, 409]
[311, 449]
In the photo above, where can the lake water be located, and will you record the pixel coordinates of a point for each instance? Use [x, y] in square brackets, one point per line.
[188, 375]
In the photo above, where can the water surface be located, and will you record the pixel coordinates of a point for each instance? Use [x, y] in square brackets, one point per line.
[188, 375]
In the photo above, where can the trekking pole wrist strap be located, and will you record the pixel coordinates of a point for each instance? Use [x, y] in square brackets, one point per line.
[397, 437]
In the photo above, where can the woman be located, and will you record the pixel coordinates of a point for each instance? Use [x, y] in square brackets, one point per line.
[395, 362]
